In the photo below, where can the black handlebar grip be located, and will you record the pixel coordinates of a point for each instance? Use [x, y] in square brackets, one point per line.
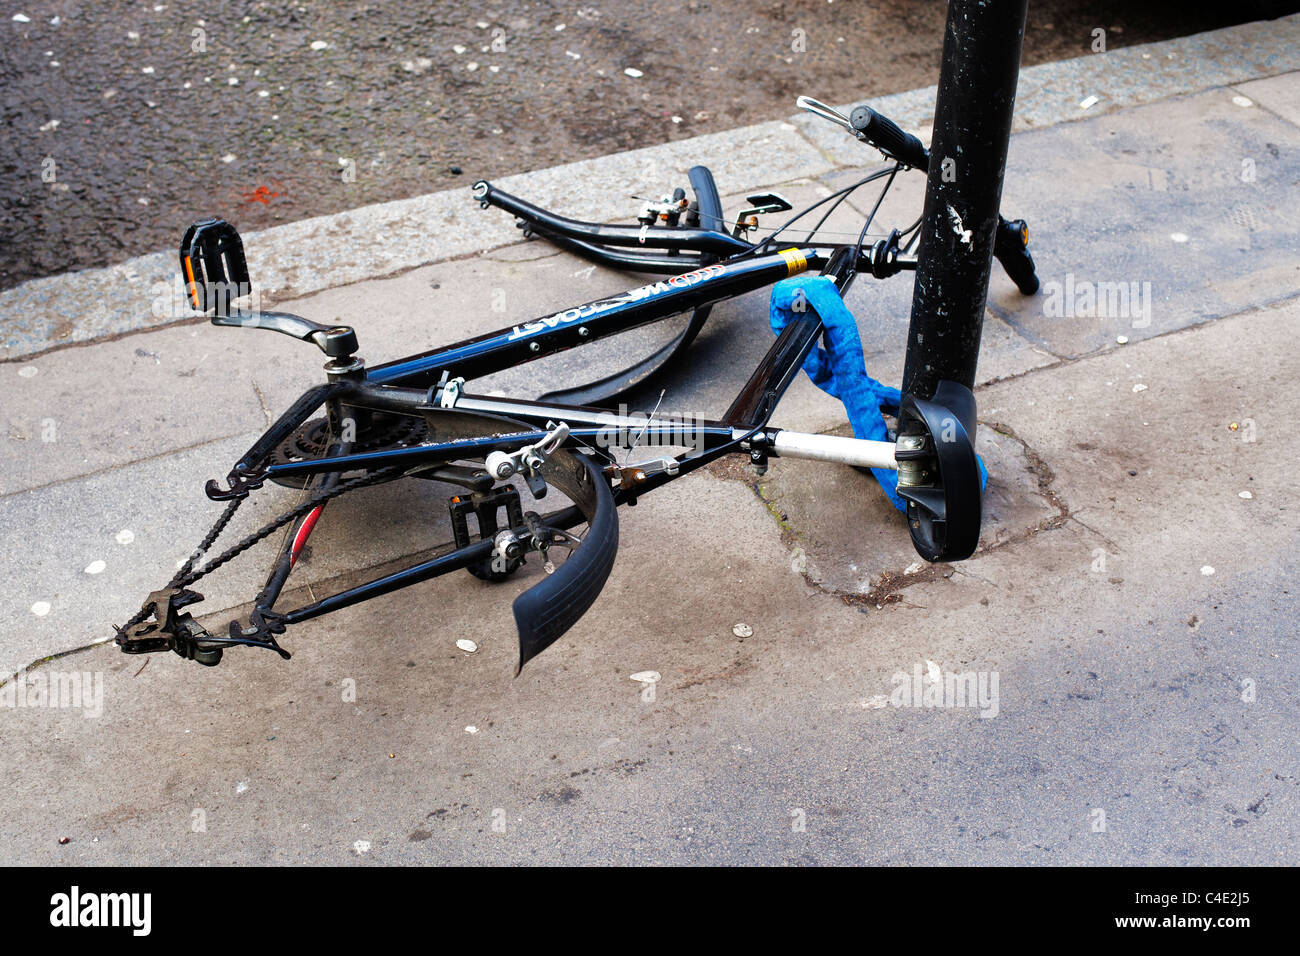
[1011, 247]
[884, 134]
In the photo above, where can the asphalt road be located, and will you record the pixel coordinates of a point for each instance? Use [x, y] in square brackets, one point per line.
[123, 122]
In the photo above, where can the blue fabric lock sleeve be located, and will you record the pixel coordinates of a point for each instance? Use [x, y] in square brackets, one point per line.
[839, 369]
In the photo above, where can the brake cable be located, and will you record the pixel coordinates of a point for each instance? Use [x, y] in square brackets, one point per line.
[857, 254]
[839, 193]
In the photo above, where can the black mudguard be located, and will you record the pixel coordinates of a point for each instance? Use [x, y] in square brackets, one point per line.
[546, 610]
[614, 387]
[943, 514]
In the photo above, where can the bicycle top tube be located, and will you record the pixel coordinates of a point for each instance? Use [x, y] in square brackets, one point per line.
[505, 348]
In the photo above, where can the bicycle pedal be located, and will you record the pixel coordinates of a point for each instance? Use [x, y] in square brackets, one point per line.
[486, 508]
[213, 266]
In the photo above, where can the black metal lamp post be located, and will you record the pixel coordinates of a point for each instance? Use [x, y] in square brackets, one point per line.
[938, 473]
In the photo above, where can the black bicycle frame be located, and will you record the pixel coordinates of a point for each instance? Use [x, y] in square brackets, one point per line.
[719, 266]
[703, 264]
[411, 386]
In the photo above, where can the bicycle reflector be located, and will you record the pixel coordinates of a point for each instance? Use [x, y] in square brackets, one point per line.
[213, 266]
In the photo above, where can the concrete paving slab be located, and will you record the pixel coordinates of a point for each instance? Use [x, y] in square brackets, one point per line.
[78, 411]
[1157, 229]
[857, 550]
[1276, 93]
[1224, 245]
[1141, 408]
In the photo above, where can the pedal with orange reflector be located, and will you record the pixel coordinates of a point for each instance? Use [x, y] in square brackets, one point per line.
[213, 266]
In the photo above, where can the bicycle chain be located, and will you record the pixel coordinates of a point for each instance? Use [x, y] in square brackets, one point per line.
[186, 575]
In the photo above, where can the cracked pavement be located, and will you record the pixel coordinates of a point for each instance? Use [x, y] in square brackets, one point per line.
[1134, 593]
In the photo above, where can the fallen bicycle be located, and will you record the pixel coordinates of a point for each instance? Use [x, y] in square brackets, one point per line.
[416, 418]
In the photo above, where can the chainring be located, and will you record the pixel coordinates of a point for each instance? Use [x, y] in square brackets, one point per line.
[311, 441]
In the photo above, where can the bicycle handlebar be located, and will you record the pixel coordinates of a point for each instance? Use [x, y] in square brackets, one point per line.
[884, 134]
[875, 129]
[1011, 238]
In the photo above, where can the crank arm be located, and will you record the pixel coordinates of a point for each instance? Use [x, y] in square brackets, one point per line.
[336, 341]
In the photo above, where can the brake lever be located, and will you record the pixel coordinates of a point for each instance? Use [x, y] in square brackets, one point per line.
[822, 111]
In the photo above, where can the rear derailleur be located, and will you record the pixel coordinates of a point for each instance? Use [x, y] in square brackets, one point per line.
[171, 630]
